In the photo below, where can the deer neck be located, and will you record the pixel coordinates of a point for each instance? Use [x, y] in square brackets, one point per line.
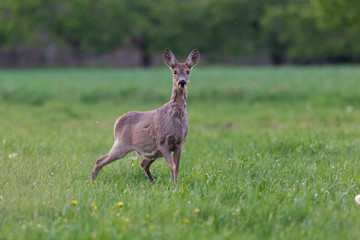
[178, 100]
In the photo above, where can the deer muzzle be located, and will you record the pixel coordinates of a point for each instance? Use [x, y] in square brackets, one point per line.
[182, 83]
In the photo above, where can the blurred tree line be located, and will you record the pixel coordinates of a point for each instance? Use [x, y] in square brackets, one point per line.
[296, 31]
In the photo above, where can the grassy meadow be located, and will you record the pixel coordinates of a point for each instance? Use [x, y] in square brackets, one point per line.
[272, 153]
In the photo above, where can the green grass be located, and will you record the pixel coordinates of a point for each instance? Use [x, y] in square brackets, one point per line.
[272, 153]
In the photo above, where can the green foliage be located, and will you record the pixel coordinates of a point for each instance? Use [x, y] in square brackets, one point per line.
[301, 31]
[272, 153]
[85, 26]
[13, 32]
[338, 14]
[294, 33]
[224, 27]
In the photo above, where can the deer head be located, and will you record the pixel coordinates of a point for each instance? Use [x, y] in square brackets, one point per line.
[181, 71]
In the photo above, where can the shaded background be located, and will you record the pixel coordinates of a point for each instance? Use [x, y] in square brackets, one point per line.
[130, 33]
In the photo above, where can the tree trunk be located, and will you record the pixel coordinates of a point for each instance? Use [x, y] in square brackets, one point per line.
[77, 54]
[277, 50]
[277, 58]
[75, 47]
[143, 45]
[145, 59]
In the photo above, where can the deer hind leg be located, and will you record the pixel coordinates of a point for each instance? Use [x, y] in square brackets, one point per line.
[116, 152]
[145, 164]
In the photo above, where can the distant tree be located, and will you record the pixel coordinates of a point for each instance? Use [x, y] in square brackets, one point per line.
[142, 25]
[292, 33]
[341, 16]
[84, 25]
[151, 26]
[100, 26]
[227, 27]
[13, 32]
[230, 27]
[15, 35]
[338, 14]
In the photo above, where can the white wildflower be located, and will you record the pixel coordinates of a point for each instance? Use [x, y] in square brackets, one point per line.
[13, 155]
[357, 199]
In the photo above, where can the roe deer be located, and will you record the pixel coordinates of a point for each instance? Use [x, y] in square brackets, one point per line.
[159, 132]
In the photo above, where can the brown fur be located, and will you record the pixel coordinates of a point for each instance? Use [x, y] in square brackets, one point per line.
[159, 132]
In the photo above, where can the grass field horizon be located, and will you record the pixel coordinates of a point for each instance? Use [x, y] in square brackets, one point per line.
[272, 153]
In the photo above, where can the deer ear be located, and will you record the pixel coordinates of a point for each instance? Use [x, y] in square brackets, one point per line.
[193, 58]
[169, 58]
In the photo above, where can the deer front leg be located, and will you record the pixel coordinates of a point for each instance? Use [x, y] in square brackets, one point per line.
[166, 154]
[176, 156]
[145, 164]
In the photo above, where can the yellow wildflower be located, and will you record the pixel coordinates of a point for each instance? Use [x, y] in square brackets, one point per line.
[74, 202]
[197, 210]
[120, 204]
[94, 206]
[186, 221]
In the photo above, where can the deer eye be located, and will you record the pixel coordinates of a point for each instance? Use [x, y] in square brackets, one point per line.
[175, 72]
[187, 72]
